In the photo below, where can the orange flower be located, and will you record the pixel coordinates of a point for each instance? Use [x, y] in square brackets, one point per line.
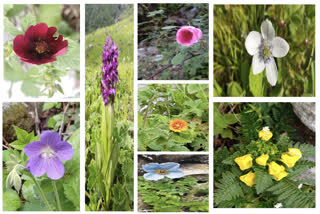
[178, 125]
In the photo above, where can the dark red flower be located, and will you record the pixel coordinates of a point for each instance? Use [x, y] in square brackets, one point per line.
[38, 45]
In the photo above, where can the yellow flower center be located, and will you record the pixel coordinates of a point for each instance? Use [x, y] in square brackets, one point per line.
[162, 171]
[41, 47]
[266, 52]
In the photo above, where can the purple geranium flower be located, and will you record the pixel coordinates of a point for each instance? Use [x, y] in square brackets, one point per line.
[109, 71]
[45, 155]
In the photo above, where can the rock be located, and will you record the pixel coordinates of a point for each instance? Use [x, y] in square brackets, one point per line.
[306, 113]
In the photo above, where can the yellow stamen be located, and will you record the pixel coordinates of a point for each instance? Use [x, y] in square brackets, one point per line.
[162, 171]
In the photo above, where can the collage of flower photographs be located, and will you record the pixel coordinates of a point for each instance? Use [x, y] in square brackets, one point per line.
[137, 106]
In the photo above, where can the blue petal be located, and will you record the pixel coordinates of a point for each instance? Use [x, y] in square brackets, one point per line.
[153, 176]
[150, 167]
[169, 166]
[175, 174]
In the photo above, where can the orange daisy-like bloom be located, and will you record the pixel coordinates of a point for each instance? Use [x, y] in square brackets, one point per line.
[178, 125]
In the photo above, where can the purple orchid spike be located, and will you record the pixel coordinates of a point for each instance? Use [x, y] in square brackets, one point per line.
[109, 71]
[45, 155]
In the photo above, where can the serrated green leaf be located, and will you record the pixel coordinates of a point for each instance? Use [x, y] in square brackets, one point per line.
[177, 59]
[11, 201]
[72, 192]
[27, 21]
[263, 180]
[10, 28]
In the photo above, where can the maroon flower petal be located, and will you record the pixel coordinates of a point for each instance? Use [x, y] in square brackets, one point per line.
[38, 62]
[38, 31]
[19, 46]
[60, 48]
[51, 31]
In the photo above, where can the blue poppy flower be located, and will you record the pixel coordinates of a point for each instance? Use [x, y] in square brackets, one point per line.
[156, 171]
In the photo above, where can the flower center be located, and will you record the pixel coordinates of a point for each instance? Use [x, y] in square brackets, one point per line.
[162, 171]
[47, 152]
[187, 36]
[266, 52]
[41, 47]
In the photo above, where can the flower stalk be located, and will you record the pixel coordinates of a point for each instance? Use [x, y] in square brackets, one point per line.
[43, 197]
[56, 195]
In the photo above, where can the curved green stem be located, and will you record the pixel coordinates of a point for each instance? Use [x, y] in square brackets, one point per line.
[57, 195]
[43, 197]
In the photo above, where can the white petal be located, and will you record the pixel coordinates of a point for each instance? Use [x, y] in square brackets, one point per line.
[272, 72]
[267, 30]
[175, 174]
[253, 41]
[280, 47]
[257, 64]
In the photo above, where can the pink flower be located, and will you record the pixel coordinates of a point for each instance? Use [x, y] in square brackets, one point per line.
[188, 35]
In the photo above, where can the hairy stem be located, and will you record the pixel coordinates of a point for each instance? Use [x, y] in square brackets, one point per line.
[43, 197]
[56, 195]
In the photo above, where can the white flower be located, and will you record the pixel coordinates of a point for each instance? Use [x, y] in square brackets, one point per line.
[266, 128]
[278, 205]
[264, 47]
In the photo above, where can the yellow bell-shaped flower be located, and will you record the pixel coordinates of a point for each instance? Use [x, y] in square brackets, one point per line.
[249, 179]
[262, 159]
[290, 158]
[275, 168]
[295, 152]
[281, 175]
[265, 134]
[244, 162]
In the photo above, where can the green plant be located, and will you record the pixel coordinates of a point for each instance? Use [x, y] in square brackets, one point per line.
[174, 196]
[163, 103]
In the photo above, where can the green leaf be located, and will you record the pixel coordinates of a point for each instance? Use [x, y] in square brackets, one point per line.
[50, 14]
[168, 27]
[13, 70]
[263, 180]
[23, 138]
[72, 192]
[49, 105]
[10, 28]
[11, 201]
[28, 190]
[234, 90]
[71, 60]
[27, 21]
[30, 89]
[257, 84]
[177, 59]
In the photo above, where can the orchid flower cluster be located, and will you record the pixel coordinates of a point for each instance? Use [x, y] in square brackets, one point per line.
[109, 71]
[267, 156]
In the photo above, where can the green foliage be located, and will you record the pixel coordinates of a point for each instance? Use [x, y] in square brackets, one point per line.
[232, 63]
[163, 57]
[162, 103]
[290, 195]
[169, 196]
[38, 80]
[98, 16]
[122, 185]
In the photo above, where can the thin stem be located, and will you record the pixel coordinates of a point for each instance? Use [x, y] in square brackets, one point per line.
[62, 121]
[57, 195]
[41, 193]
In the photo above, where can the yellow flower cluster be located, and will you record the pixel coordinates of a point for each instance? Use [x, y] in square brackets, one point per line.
[290, 158]
[277, 171]
[265, 134]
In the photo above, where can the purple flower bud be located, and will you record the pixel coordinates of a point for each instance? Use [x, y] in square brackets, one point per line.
[109, 71]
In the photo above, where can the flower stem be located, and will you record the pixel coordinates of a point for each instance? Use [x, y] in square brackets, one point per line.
[57, 195]
[41, 193]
